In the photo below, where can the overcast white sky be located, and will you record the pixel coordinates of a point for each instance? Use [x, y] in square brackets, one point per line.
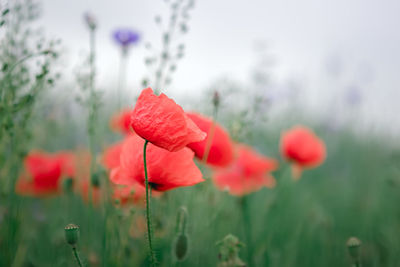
[361, 36]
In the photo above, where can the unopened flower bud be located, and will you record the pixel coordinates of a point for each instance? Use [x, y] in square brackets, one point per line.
[68, 184]
[72, 234]
[95, 180]
[216, 99]
[181, 247]
[90, 20]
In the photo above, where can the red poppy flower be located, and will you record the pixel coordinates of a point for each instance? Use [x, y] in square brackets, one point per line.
[248, 173]
[167, 170]
[111, 155]
[44, 172]
[162, 122]
[121, 122]
[220, 145]
[301, 146]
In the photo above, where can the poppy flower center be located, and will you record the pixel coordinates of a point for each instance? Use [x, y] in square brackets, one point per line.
[154, 186]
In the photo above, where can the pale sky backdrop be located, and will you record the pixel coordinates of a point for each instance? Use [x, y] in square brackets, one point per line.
[327, 45]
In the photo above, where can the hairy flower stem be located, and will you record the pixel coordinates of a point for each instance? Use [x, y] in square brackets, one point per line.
[247, 228]
[148, 210]
[78, 259]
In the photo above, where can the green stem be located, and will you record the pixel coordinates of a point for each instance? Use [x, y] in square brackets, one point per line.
[148, 211]
[122, 74]
[78, 259]
[247, 228]
[92, 111]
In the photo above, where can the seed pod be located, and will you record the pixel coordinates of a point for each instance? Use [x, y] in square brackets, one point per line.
[72, 234]
[353, 245]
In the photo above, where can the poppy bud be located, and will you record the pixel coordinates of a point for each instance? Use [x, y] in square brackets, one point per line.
[353, 245]
[181, 247]
[95, 180]
[68, 184]
[72, 234]
[216, 99]
[90, 20]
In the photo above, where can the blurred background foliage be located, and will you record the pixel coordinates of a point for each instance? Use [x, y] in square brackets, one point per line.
[305, 223]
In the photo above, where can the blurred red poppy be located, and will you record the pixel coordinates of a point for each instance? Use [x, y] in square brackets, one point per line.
[83, 183]
[248, 173]
[220, 144]
[129, 194]
[162, 122]
[303, 148]
[167, 170]
[44, 172]
[121, 122]
[95, 192]
[125, 194]
[111, 155]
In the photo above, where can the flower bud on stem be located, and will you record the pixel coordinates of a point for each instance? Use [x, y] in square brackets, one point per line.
[353, 246]
[180, 247]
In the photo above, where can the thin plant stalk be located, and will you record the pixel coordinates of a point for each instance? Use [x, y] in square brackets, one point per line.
[148, 210]
[91, 121]
[76, 255]
[165, 52]
[247, 228]
[122, 75]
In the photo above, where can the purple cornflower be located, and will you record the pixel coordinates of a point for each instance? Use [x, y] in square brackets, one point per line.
[126, 37]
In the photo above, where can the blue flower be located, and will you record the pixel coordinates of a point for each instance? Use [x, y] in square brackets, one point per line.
[126, 37]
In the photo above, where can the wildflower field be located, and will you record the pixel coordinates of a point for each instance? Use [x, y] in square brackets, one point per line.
[135, 175]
